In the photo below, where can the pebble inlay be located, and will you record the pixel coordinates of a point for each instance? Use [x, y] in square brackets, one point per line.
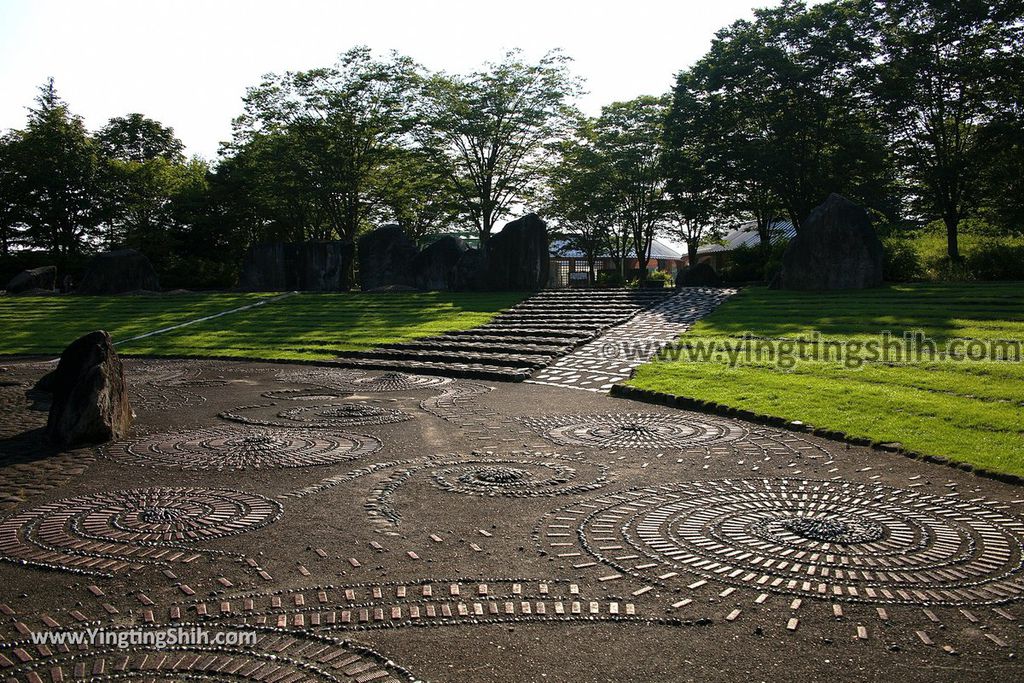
[237, 448]
[635, 430]
[107, 532]
[836, 540]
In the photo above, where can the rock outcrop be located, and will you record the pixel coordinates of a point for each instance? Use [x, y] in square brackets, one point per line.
[385, 258]
[836, 248]
[518, 256]
[90, 397]
[298, 266]
[44, 277]
[116, 272]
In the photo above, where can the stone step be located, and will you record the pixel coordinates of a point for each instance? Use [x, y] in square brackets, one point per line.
[537, 342]
[506, 348]
[522, 331]
[454, 356]
[468, 370]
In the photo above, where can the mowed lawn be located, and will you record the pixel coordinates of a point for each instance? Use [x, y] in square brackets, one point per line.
[302, 326]
[970, 411]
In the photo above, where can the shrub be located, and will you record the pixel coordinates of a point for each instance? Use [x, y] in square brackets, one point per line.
[902, 261]
[609, 278]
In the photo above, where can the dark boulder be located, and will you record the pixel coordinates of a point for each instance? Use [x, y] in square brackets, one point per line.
[44, 277]
[116, 272]
[298, 266]
[385, 258]
[470, 273]
[518, 256]
[435, 267]
[836, 248]
[90, 398]
[701, 274]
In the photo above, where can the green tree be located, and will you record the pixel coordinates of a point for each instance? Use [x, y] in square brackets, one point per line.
[412, 194]
[581, 199]
[628, 136]
[694, 175]
[12, 193]
[940, 81]
[137, 138]
[487, 132]
[785, 91]
[313, 141]
[60, 165]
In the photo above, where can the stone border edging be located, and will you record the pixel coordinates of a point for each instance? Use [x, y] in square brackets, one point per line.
[619, 390]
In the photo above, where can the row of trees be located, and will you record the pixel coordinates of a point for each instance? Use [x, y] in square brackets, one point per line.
[914, 108]
[910, 107]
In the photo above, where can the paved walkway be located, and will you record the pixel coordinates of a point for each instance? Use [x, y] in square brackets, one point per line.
[384, 528]
[611, 358]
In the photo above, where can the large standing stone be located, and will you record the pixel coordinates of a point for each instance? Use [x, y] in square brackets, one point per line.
[385, 258]
[701, 274]
[836, 248]
[44, 277]
[435, 268]
[518, 257]
[115, 272]
[302, 266]
[90, 399]
[470, 272]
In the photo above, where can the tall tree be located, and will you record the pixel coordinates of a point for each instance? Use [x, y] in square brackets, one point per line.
[487, 132]
[317, 138]
[137, 138]
[60, 163]
[582, 201]
[694, 175]
[412, 194]
[939, 83]
[629, 138]
[786, 92]
[12, 193]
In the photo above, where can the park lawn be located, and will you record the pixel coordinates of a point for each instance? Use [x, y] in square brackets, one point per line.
[46, 324]
[969, 411]
[302, 326]
[318, 326]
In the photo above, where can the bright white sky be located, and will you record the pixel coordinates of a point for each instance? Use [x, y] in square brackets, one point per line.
[187, 63]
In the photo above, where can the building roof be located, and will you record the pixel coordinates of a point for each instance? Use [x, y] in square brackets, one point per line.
[745, 235]
[659, 250]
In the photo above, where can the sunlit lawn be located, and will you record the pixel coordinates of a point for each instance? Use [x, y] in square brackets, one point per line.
[304, 326]
[966, 411]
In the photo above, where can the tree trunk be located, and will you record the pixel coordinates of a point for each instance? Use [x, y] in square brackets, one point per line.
[691, 252]
[952, 237]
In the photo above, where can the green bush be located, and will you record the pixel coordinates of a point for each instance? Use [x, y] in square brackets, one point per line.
[609, 278]
[902, 260]
[923, 256]
[662, 275]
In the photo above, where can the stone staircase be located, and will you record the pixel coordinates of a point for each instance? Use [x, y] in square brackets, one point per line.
[516, 342]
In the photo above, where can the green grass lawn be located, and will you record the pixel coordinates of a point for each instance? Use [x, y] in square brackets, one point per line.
[304, 326]
[939, 405]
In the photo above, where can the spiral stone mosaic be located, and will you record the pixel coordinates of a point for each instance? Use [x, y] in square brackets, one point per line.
[634, 430]
[832, 539]
[239, 448]
[522, 475]
[317, 416]
[274, 656]
[110, 531]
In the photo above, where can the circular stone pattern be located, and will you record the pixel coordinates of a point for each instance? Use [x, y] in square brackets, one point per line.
[399, 381]
[103, 532]
[517, 477]
[150, 656]
[330, 416]
[234, 448]
[522, 475]
[635, 430]
[828, 539]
